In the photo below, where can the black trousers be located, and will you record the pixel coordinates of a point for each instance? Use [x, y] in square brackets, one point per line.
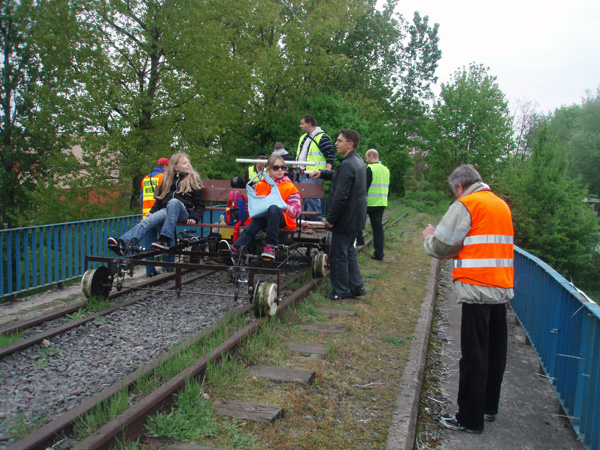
[483, 344]
[375, 214]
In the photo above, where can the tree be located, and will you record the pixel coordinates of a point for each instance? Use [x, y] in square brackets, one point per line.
[331, 65]
[551, 219]
[132, 80]
[577, 127]
[525, 122]
[471, 124]
[35, 52]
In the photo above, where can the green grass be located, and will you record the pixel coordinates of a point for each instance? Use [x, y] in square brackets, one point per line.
[190, 417]
[394, 340]
[20, 426]
[10, 338]
[46, 353]
[103, 413]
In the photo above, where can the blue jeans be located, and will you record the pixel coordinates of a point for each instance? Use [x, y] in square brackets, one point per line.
[312, 204]
[272, 222]
[151, 237]
[165, 218]
[343, 265]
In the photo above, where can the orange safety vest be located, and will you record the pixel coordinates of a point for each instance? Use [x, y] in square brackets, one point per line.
[486, 258]
[286, 189]
[149, 185]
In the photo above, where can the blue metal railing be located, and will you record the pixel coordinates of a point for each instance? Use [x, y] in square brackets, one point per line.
[35, 257]
[563, 325]
[41, 256]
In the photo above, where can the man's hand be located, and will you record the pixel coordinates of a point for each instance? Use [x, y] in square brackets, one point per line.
[191, 221]
[428, 231]
[315, 174]
[329, 225]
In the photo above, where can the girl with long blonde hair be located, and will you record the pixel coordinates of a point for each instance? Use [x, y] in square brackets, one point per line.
[178, 199]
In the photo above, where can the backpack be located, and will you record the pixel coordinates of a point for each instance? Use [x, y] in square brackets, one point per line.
[236, 208]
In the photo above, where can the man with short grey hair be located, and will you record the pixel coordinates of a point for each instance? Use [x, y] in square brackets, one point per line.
[477, 233]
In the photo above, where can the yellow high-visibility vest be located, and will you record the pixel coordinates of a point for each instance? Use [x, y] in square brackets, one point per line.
[377, 195]
[314, 152]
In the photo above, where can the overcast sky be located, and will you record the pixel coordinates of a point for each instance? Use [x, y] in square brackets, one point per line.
[548, 51]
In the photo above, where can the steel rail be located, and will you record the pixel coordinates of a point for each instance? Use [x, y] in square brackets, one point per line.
[25, 324]
[39, 337]
[130, 423]
[43, 437]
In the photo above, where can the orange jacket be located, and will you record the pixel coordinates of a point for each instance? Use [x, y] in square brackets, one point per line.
[286, 189]
[486, 258]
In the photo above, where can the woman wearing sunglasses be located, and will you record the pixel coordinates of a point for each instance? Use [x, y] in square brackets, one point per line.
[276, 218]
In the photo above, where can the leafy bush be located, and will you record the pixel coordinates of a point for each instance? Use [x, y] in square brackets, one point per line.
[430, 201]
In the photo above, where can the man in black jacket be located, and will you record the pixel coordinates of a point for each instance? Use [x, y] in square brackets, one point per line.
[346, 215]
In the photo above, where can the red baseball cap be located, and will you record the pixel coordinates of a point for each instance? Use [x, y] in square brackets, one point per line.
[162, 161]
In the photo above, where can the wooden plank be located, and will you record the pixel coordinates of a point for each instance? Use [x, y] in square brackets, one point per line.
[307, 349]
[283, 374]
[311, 190]
[248, 411]
[337, 328]
[338, 311]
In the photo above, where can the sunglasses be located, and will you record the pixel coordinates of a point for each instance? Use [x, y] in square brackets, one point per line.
[277, 167]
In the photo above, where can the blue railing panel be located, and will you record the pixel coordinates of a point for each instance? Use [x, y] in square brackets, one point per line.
[563, 326]
[35, 257]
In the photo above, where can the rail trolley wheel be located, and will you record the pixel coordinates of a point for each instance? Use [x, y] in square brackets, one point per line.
[133, 246]
[265, 300]
[94, 283]
[328, 237]
[320, 261]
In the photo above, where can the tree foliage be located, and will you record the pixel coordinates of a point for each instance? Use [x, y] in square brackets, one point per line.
[551, 219]
[577, 128]
[471, 124]
[133, 80]
[33, 80]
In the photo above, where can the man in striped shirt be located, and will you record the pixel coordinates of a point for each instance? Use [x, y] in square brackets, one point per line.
[316, 147]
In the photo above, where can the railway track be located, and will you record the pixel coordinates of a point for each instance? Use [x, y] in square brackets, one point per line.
[137, 317]
[57, 370]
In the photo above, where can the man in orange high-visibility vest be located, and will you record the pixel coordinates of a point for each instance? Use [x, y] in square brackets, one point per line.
[477, 232]
[149, 184]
